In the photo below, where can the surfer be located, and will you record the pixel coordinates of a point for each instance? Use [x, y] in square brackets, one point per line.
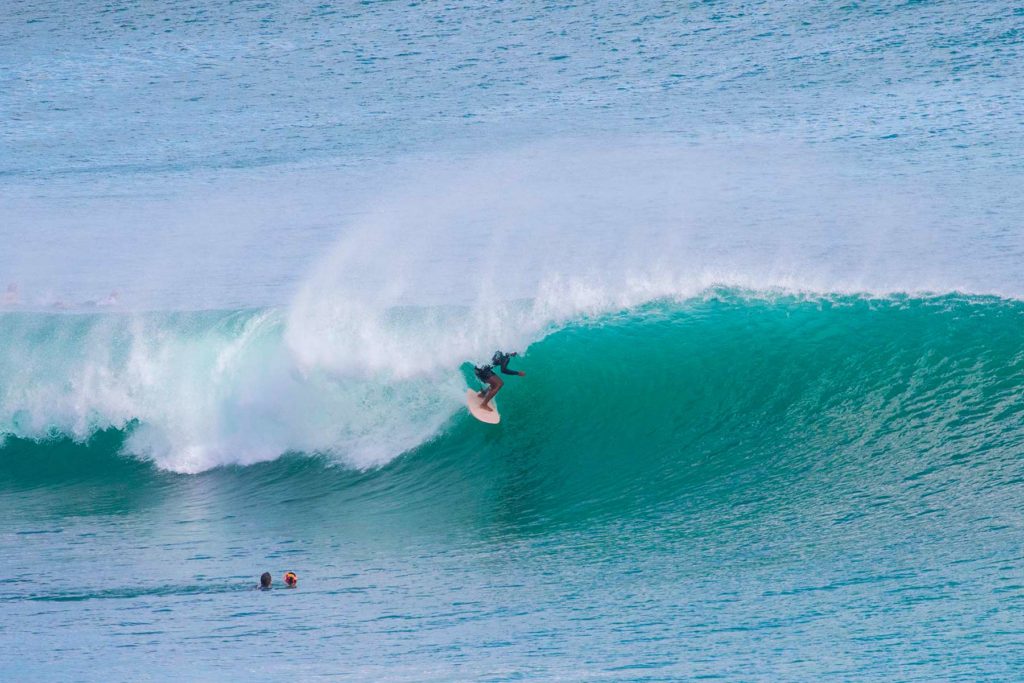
[485, 373]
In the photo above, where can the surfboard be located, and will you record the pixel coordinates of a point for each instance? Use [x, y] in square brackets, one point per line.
[473, 401]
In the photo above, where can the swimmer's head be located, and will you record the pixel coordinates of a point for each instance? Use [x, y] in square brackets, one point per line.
[291, 580]
[265, 580]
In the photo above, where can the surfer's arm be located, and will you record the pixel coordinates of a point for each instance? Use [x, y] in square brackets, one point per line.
[504, 367]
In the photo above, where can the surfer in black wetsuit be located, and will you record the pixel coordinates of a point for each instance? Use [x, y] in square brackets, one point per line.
[485, 373]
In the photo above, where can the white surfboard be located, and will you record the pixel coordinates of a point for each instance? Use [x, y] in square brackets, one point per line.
[473, 402]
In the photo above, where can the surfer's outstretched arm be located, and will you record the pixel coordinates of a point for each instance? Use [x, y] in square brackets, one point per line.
[504, 366]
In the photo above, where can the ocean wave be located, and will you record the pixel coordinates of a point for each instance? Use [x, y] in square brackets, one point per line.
[193, 391]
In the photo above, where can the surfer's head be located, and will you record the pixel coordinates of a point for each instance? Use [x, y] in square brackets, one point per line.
[265, 580]
[291, 580]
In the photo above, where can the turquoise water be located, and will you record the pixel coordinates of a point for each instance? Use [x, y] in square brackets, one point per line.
[761, 262]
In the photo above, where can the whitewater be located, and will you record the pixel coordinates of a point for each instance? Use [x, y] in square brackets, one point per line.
[760, 261]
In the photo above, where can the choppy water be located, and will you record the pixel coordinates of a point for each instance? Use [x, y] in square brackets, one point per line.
[762, 261]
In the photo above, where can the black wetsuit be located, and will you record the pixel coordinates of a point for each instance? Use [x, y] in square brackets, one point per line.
[485, 372]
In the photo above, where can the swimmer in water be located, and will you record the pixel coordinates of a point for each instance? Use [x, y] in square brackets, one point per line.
[265, 581]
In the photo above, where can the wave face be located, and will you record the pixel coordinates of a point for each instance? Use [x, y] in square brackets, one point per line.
[661, 391]
[674, 395]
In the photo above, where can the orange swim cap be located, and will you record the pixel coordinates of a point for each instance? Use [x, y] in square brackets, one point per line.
[290, 579]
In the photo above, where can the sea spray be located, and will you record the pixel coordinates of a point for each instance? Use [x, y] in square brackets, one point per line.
[494, 225]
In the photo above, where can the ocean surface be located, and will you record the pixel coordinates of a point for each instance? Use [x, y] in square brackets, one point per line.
[763, 263]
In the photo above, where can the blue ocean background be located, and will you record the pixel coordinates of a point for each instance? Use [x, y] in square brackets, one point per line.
[761, 261]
